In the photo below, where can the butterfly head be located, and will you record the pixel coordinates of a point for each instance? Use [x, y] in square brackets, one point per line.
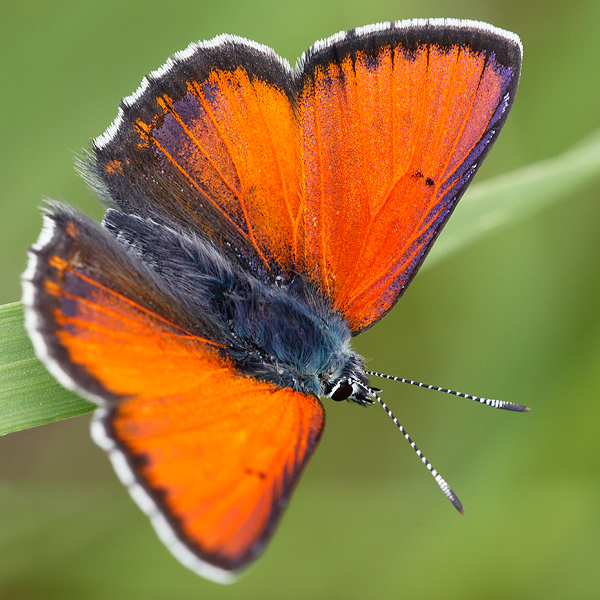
[351, 384]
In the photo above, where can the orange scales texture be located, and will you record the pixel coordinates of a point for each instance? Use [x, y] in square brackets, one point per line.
[217, 449]
[381, 136]
[222, 454]
[127, 348]
[235, 139]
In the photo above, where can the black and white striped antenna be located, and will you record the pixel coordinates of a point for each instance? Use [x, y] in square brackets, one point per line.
[487, 401]
[438, 478]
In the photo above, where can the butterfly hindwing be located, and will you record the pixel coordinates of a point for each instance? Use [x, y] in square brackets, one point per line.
[213, 465]
[211, 455]
[210, 142]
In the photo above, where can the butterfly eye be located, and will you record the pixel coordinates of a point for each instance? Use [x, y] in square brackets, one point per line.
[343, 392]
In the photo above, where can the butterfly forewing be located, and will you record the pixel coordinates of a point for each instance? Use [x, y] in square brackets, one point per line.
[212, 456]
[395, 122]
[342, 171]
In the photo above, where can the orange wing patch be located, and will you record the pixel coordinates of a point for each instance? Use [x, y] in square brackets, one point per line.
[128, 349]
[343, 172]
[232, 141]
[220, 458]
[384, 138]
[217, 453]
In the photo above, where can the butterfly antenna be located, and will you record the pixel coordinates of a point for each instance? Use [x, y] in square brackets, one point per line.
[487, 401]
[438, 478]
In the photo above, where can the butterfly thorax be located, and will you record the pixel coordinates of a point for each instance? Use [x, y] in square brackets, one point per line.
[292, 337]
[273, 329]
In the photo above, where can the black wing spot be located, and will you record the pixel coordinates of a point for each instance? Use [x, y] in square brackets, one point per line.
[259, 474]
[419, 175]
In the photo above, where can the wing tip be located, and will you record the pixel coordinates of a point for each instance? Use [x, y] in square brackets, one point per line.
[35, 324]
[38, 319]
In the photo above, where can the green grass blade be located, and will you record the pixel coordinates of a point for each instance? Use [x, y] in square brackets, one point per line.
[30, 396]
[511, 197]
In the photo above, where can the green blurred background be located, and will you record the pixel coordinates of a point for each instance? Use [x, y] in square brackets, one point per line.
[515, 317]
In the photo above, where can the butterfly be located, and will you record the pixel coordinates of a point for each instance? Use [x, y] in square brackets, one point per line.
[258, 218]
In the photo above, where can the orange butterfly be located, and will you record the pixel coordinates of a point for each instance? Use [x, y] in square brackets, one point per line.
[260, 217]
